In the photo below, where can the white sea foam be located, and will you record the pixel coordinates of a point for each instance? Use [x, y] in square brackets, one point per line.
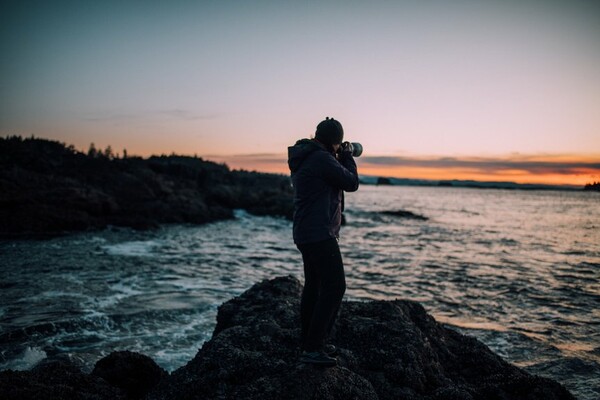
[239, 213]
[118, 292]
[26, 360]
[132, 249]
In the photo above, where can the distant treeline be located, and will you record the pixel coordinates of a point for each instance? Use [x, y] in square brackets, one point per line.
[456, 183]
[47, 187]
[592, 186]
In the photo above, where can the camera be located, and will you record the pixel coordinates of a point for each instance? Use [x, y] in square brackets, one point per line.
[353, 147]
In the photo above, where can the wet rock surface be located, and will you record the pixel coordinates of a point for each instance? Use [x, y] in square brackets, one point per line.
[387, 350]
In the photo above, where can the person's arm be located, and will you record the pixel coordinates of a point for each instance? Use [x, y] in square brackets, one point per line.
[341, 174]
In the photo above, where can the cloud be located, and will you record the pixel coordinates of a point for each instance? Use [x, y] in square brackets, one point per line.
[172, 113]
[186, 115]
[550, 169]
[526, 164]
[535, 165]
[111, 118]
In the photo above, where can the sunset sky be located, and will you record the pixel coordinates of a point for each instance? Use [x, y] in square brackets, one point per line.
[487, 90]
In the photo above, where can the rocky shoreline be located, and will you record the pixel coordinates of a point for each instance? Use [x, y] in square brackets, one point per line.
[48, 188]
[388, 350]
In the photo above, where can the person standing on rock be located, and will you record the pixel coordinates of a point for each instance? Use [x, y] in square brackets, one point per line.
[321, 169]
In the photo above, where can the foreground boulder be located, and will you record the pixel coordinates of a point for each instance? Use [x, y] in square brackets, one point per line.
[120, 375]
[53, 381]
[388, 350]
[134, 373]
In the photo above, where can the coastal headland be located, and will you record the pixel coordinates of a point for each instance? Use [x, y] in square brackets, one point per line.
[48, 188]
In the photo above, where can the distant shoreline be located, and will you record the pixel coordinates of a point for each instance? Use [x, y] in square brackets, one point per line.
[471, 184]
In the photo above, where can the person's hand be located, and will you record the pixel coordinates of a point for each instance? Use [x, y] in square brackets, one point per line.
[346, 147]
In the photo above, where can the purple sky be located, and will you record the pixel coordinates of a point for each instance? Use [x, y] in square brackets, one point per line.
[406, 78]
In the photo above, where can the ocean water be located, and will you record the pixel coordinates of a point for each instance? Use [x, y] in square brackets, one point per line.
[519, 270]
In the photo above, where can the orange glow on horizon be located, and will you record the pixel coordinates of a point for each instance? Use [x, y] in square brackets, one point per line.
[463, 174]
[550, 174]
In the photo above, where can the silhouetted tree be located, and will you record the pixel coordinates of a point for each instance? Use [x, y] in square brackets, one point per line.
[108, 153]
[92, 152]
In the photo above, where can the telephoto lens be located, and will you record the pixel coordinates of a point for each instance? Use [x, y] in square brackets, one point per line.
[357, 149]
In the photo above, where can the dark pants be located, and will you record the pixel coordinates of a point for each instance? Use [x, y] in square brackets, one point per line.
[324, 287]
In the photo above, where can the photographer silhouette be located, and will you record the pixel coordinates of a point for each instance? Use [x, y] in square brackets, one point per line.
[321, 169]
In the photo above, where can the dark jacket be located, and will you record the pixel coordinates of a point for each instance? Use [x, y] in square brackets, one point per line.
[318, 179]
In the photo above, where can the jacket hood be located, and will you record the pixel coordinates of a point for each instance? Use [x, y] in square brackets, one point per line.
[298, 152]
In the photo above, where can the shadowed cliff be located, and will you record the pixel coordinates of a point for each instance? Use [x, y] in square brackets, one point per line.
[48, 188]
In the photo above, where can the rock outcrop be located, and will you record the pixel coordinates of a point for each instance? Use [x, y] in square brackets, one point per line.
[387, 350]
[122, 375]
[54, 381]
[133, 373]
[405, 214]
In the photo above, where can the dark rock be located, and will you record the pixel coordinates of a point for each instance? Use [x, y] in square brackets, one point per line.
[405, 214]
[120, 375]
[135, 373]
[383, 181]
[388, 350]
[56, 381]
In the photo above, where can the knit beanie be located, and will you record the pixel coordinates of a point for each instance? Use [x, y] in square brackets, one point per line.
[329, 132]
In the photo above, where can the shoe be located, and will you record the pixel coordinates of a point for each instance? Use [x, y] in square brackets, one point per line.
[317, 358]
[330, 350]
